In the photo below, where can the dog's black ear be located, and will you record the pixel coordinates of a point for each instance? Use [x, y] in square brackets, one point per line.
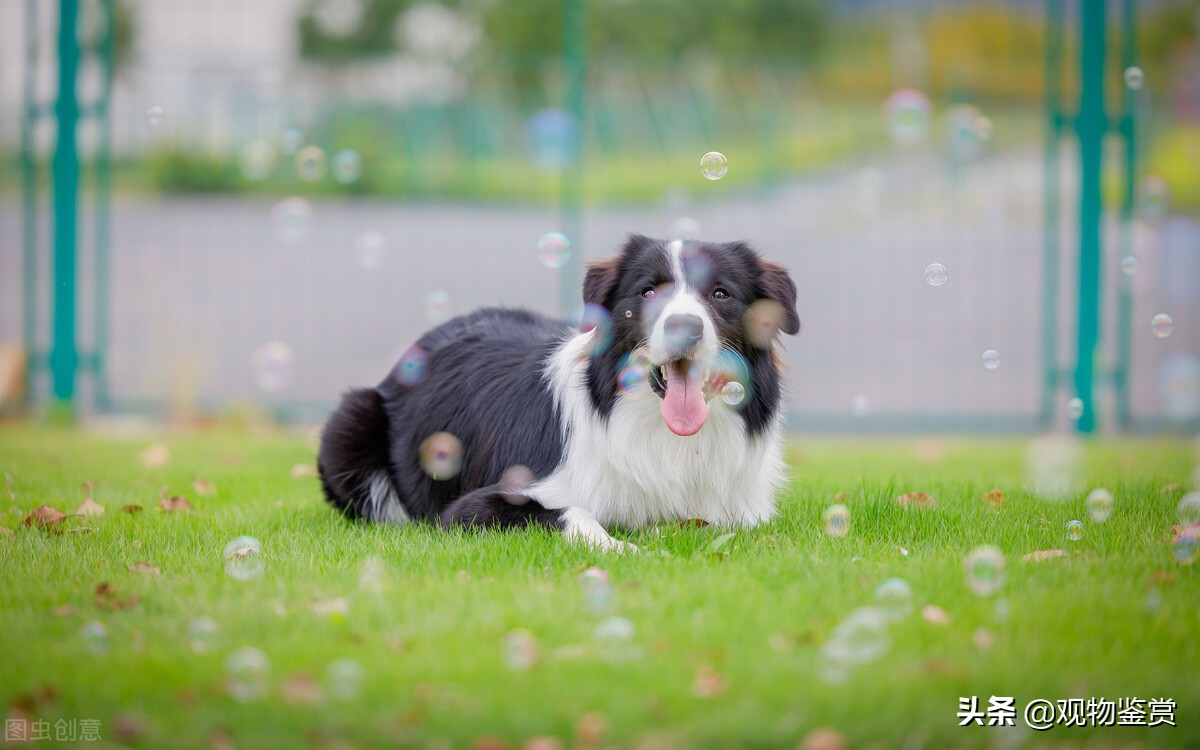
[600, 281]
[777, 284]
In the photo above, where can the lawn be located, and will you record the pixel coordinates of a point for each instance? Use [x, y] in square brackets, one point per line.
[730, 636]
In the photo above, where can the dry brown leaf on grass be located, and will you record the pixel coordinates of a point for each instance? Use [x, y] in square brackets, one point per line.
[89, 507]
[993, 497]
[589, 729]
[708, 683]
[64, 610]
[693, 522]
[131, 508]
[145, 568]
[824, 738]
[934, 614]
[1043, 554]
[916, 500]
[300, 689]
[107, 598]
[203, 487]
[154, 456]
[45, 517]
[5, 531]
[172, 504]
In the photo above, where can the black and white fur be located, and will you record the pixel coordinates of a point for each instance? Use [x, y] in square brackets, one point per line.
[519, 389]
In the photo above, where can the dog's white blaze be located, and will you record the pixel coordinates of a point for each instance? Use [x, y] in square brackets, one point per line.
[633, 471]
[382, 503]
[684, 301]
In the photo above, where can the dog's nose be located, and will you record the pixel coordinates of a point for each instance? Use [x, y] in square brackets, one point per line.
[682, 332]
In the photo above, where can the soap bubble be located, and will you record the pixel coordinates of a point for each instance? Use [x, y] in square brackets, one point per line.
[991, 359]
[597, 590]
[733, 392]
[247, 671]
[1153, 197]
[370, 249]
[985, 570]
[441, 456]
[344, 677]
[1129, 265]
[437, 306]
[837, 520]
[858, 639]
[962, 131]
[935, 274]
[552, 137]
[1188, 509]
[731, 378]
[1099, 505]
[519, 649]
[257, 159]
[513, 482]
[310, 163]
[894, 597]
[347, 166]
[631, 378]
[1074, 408]
[291, 141]
[597, 320]
[244, 558]
[906, 113]
[614, 638]
[684, 228]
[1074, 530]
[1134, 77]
[1162, 325]
[95, 636]
[714, 165]
[412, 367]
[292, 218]
[762, 321]
[154, 115]
[554, 249]
[1186, 549]
[202, 634]
[272, 363]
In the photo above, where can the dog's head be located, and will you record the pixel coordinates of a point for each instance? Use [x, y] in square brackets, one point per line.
[690, 318]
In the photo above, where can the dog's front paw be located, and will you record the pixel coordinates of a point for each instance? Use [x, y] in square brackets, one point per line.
[582, 527]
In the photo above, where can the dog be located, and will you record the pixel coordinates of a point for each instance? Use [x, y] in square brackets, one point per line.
[664, 404]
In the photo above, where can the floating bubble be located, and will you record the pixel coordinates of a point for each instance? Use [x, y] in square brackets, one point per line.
[837, 520]
[412, 367]
[1099, 505]
[860, 405]
[292, 218]
[614, 638]
[714, 165]
[762, 322]
[310, 163]
[935, 274]
[95, 636]
[991, 359]
[733, 393]
[860, 638]
[154, 115]
[1134, 77]
[344, 678]
[202, 634]
[985, 570]
[347, 166]
[597, 320]
[373, 576]
[1074, 408]
[1162, 325]
[513, 482]
[244, 558]
[552, 137]
[441, 456]
[962, 131]
[1074, 530]
[1186, 549]
[894, 597]
[1053, 467]
[1129, 265]
[597, 590]
[437, 306]
[291, 141]
[1188, 509]
[519, 649]
[370, 249]
[906, 113]
[246, 673]
[1153, 196]
[1153, 602]
[684, 228]
[698, 266]
[554, 249]
[631, 379]
[257, 159]
[983, 129]
[272, 363]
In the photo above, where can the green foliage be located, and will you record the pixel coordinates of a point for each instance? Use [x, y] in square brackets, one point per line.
[756, 612]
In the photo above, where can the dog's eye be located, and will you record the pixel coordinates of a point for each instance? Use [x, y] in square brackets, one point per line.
[649, 292]
[720, 293]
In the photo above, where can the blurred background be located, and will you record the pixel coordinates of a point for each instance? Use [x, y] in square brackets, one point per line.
[991, 209]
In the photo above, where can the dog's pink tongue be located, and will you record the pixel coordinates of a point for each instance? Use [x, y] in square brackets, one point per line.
[683, 408]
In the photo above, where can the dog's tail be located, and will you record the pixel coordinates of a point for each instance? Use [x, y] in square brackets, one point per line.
[353, 460]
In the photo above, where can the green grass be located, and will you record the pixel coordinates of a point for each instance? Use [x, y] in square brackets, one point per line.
[757, 612]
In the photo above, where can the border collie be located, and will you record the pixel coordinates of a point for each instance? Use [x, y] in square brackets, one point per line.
[663, 405]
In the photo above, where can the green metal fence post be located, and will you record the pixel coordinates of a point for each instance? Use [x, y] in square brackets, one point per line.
[1052, 207]
[29, 233]
[1090, 125]
[64, 357]
[1125, 283]
[103, 215]
[574, 58]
